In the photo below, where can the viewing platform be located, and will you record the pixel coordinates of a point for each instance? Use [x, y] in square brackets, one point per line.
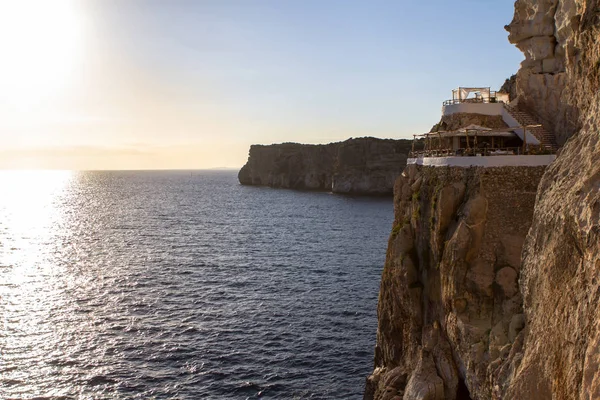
[473, 95]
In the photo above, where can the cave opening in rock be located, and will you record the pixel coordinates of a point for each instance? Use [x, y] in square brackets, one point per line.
[462, 393]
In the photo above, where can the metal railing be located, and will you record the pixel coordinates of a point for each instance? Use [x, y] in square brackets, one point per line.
[493, 98]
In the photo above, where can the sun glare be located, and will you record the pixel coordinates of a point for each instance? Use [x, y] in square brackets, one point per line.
[29, 211]
[40, 43]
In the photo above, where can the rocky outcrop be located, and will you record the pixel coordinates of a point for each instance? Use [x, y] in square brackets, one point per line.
[358, 166]
[450, 308]
[289, 165]
[512, 310]
[510, 86]
[545, 32]
[460, 120]
[560, 278]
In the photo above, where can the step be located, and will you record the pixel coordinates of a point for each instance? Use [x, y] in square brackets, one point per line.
[546, 138]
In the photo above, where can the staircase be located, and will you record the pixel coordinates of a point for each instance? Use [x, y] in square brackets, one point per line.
[546, 138]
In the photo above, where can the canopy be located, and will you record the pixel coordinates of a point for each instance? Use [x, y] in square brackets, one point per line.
[480, 131]
[462, 93]
[474, 127]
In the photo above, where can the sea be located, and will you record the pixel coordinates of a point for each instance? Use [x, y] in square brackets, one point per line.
[185, 285]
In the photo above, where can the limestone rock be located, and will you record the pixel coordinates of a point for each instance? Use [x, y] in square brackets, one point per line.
[517, 323]
[438, 299]
[506, 278]
[544, 31]
[424, 383]
[460, 120]
[359, 166]
[560, 271]
[510, 86]
[510, 252]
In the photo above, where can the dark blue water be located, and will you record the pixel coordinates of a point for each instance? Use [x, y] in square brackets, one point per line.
[185, 285]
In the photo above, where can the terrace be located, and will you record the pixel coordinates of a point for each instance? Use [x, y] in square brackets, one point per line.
[480, 146]
[476, 95]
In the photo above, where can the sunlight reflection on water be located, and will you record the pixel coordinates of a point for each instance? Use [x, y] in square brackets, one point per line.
[185, 285]
[31, 217]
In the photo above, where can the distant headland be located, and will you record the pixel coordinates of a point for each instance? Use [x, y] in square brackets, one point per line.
[364, 166]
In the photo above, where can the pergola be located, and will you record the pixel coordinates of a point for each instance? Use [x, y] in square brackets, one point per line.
[437, 141]
[462, 93]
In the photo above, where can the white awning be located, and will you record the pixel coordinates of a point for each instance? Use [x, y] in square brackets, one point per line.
[474, 127]
[462, 93]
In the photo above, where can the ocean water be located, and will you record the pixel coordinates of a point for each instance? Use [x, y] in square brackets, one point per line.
[185, 285]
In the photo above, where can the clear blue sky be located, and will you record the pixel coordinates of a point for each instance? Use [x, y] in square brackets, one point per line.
[193, 83]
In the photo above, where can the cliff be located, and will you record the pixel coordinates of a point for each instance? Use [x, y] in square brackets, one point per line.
[491, 288]
[357, 166]
[547, 32]
[560, 278]
[450, 308]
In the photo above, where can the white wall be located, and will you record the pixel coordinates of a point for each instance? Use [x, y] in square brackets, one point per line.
[502, 97]
[473, 108]
[489, 161]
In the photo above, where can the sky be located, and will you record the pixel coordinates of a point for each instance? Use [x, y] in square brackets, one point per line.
[159, 84]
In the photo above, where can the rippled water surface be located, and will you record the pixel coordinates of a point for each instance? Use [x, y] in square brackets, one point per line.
[185, 285]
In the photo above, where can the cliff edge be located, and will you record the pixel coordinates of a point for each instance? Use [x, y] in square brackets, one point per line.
[356, 166]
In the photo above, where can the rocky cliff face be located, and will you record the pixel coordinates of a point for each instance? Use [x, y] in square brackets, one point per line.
[560, 279]
[450, 308]
[545, 31]
[510, 86]
[359, 166]
[489, 296]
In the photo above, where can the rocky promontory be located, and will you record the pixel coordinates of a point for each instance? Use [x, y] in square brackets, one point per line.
[366, 166]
